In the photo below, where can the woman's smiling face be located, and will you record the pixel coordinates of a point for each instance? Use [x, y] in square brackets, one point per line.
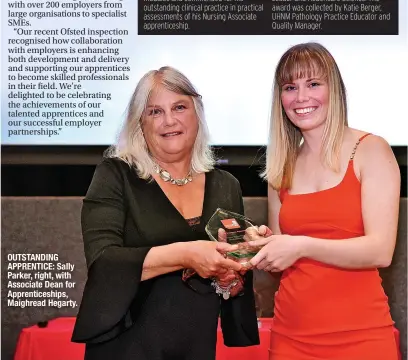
[306, 102]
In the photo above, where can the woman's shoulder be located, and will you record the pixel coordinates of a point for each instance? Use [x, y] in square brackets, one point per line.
[223, 176]
[113, 168]
[369, 144]
[372, 151]
[112, 162]
[370, 140]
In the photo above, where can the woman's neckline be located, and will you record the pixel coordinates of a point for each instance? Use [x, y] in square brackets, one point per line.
[349, 166]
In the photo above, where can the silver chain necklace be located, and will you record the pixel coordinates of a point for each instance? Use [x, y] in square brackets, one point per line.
[165, 176]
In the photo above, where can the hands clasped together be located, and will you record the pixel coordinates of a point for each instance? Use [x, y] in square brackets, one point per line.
[209, 260]
[276, 253]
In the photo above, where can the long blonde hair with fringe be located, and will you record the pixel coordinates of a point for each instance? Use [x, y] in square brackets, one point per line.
[299, 61]
[131, 146]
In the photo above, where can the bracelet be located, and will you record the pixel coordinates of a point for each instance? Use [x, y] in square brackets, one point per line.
[224, 291]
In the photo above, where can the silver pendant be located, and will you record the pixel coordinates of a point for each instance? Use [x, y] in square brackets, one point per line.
[226, 295]
[165, 176]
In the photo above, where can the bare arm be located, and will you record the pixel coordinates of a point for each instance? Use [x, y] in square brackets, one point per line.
[264, 231]
[380, 192]
[274, 205]
[202, 255]
[162, 260]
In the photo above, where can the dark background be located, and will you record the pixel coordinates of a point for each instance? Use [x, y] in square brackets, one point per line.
[68, 170]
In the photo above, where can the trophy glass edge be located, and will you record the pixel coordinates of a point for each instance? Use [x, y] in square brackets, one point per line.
[242, 217]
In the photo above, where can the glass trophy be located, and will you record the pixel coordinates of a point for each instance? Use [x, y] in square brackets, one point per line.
[235, 226]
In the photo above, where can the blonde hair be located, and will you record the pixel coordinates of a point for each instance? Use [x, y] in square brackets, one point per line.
[304, 60]
[131, 146]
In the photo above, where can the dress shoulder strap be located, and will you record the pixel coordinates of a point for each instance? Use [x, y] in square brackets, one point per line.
[357, 143]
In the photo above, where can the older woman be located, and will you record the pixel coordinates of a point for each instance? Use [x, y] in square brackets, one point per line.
[333, 211]
[143, 222]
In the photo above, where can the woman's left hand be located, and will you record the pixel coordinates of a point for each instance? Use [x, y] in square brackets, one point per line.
[278, 253]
